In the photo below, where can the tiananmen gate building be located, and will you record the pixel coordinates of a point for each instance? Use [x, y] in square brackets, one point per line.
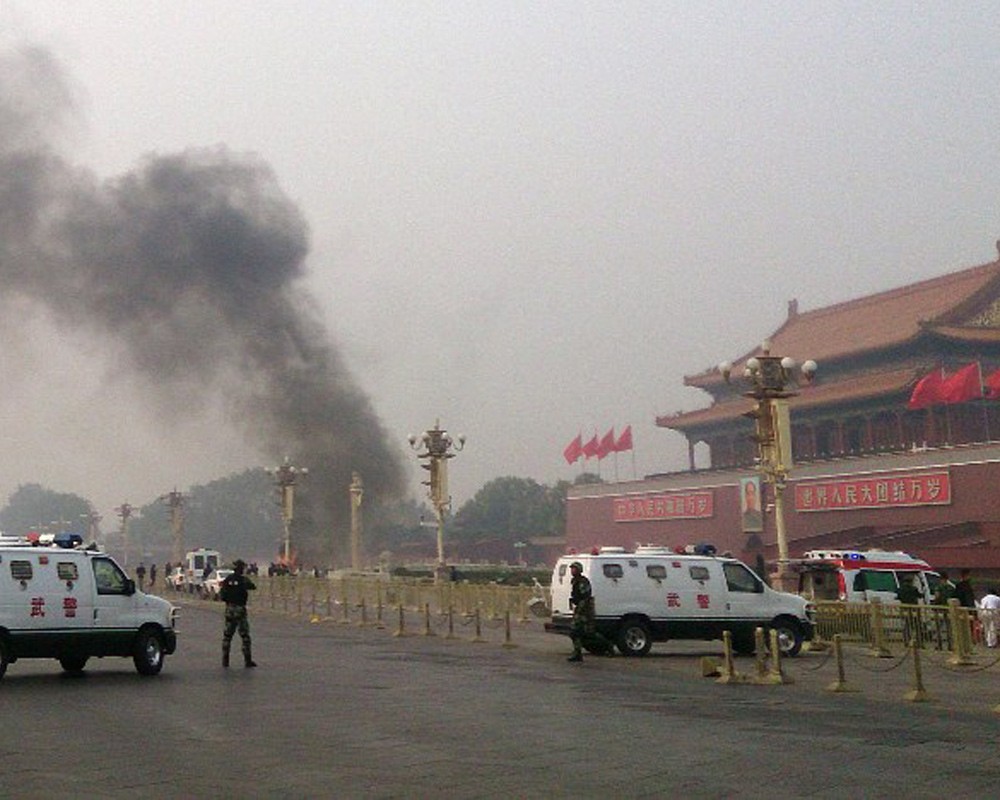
[896, 442]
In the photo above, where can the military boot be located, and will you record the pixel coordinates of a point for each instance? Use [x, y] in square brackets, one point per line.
[248, 661]
[225, 658]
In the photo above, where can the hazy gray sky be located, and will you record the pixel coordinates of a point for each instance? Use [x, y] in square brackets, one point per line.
[527, 219]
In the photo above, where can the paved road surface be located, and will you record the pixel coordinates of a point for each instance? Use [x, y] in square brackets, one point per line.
[343, 712]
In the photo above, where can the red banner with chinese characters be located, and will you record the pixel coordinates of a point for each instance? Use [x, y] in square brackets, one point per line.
[666, 505]
[890, 490]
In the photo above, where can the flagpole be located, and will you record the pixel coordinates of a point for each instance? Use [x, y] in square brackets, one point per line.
[982, 400]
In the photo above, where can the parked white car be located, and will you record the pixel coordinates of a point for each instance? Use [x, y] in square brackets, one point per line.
[213, 583]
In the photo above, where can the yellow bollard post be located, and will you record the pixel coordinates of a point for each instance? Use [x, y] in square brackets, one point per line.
[401, 629]
[961, 635]
[506, 633]
[479, 627]
[777, 674]
[879, 649]
[363, 622]
[839, 685]
[729, 673]
[344, 610]
[427, 620]
[313, 616]
[918, 694]
[451, 623]
[760, 656]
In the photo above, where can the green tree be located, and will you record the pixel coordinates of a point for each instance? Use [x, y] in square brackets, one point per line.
[32, 507]
[511, 509]
[239, 516]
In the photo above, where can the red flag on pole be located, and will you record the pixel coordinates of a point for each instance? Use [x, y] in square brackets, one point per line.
[625, 440]
[927, 392]
[574, 449]
[991, 385]
[607, 445]
[966, 384]
[590, 448]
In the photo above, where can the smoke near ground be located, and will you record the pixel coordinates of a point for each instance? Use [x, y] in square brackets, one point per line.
[187, 270]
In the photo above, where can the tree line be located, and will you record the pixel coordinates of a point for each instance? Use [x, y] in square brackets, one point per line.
[241, 515]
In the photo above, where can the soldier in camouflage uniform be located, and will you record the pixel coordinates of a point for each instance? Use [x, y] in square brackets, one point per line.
[234, 592]
[583, 630]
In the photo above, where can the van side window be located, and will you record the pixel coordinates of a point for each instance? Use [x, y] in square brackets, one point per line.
[657, 572]
[740, 579]
[20, 570]
[879, 580]
[613, 571]
[67, 571]
[562, 572]
[110, 579]
[698, 573]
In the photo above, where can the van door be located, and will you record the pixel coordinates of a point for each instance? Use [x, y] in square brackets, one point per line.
[745, 593]
[72, 598]
[701, 596]
[114, 607]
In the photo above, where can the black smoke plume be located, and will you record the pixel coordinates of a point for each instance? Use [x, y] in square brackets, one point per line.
[188, 269]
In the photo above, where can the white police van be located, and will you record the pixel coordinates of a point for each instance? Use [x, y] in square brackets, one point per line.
[72, 604]
[655, 594]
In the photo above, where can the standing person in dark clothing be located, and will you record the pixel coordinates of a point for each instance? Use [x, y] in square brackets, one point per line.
[581, 600]
[152, 575]
[964, 592]
[140, 573]
[234, 592]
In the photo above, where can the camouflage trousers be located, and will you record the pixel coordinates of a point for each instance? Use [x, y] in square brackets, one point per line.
[236, 620]
[583, 630]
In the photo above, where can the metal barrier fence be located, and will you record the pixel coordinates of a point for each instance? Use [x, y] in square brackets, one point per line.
[884, 626]
[370, 600]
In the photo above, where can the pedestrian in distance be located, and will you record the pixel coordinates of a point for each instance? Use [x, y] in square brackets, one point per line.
[140, 574]
[152, 575]
[989, 615]
[964, 592]
[583, 630]
[945, 590]
[234, 592]
[909, 595]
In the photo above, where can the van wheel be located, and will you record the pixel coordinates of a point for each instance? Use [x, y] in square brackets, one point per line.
[73, 664]
[148, 652]
[789, 636]
[633, 638]
[4, 657]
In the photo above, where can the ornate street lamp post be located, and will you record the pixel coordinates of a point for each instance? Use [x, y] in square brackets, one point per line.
[436, 445]
[124, 512]
[286, 478]
[175, 502]
[771, 379]
[357, 491]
